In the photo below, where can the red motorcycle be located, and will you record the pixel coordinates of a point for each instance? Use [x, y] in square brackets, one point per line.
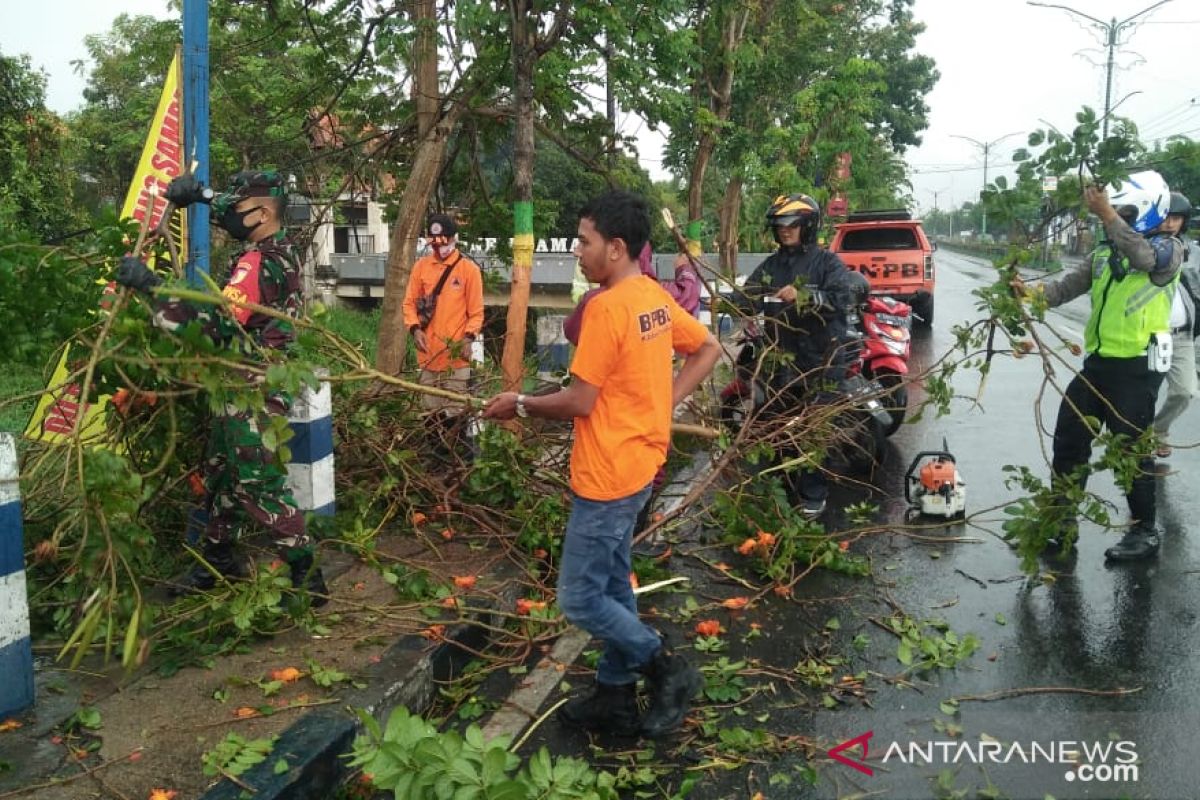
[886, 327]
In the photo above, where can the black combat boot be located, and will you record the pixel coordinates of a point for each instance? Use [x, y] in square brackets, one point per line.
[1139, 542]
[307, 575]
[219, 556]
[606, 709]
[672, 683]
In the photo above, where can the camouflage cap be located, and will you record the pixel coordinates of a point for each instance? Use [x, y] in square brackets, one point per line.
[254, 183]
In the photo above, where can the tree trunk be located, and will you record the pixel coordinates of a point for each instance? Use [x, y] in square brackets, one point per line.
[427, 165]
[524, 58]
[414, 202]
[730, 215]
[719, 93]
[425, 65]
[704, 151]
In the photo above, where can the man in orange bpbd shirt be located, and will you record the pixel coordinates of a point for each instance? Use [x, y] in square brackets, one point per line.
[621, 397]
[443, 309]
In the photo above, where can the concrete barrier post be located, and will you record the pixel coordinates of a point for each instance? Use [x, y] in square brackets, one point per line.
[553, 349]
[16, 652]
[310, 472]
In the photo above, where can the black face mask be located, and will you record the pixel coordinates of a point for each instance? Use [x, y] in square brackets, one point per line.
[234, 222]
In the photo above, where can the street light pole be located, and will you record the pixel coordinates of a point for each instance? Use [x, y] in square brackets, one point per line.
[1112, 32]
[935, 193]
[986, 147]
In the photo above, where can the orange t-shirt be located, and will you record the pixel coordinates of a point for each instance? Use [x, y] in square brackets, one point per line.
[625, 349]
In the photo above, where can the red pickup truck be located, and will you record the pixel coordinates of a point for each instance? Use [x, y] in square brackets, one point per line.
[891, 249]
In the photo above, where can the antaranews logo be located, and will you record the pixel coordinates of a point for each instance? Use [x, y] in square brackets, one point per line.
[1113, 761]
[862, 740]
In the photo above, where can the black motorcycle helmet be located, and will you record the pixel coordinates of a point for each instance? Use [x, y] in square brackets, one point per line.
[795, 209]
[1181, 206]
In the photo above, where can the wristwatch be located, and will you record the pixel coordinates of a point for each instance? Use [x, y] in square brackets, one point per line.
[522, 412]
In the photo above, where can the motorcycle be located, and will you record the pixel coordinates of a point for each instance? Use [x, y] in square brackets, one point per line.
[886, 326]
[767, 387]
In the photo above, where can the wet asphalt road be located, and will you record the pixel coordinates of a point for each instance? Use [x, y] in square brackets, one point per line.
[1094, 628]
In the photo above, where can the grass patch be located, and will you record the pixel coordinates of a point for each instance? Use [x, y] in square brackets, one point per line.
[17, 379]
[360, 328]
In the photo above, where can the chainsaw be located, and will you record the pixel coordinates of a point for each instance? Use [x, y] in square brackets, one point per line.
[934, 486]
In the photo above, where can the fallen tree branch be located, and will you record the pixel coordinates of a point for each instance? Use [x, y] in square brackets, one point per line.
[1005, 694]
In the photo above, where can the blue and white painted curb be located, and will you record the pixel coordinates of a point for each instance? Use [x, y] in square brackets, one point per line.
[553, 349]
[16, 652]
[310, 472]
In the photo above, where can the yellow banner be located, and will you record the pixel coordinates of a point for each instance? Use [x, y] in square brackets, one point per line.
[58, 410]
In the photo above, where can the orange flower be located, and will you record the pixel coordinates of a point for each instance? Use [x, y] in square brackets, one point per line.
[196, 484]
[524, 606]
[464, 581]
[44, 550]
[755, 626]
[766, 539]
[736, 603]
[163, 794]
[135, 756]
[448, 534]
[844, 545]
[747, 547]
[150, 398]
[708, 627]
[287, 674]
[540, 553]
[418, 518]
[245, 712]
[120, 401]
[450, 602]
[434, 632]
[658, 517]
[782, 591]
[9, 725]
[633, 580]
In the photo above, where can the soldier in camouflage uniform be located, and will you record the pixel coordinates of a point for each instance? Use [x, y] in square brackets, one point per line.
[244, 481]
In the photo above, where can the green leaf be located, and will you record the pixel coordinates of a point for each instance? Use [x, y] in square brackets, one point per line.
[1001, 619]
[904, 654]
[281, 766]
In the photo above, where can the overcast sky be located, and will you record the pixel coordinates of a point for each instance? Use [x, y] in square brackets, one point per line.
[1004, 66]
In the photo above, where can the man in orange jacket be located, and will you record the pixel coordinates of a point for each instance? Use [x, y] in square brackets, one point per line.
[443, 309]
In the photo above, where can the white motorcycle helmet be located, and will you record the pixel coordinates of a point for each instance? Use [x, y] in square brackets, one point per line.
[1148, 195]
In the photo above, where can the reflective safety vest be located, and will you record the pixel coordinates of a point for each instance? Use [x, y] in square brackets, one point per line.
[1125, 311]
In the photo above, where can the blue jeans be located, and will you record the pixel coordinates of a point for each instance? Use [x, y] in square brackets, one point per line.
[593, 584]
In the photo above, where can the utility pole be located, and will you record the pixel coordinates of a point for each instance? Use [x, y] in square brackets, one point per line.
[935, 193]
[986, 147]
[1112, 32]
[195, 128]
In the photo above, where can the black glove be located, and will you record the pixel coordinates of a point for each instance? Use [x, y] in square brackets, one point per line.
[136, 275]
[185, 190]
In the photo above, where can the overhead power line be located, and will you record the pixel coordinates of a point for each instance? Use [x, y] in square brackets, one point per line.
[1112, 32]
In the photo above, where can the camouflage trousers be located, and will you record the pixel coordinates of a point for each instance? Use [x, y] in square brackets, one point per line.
[246, 485]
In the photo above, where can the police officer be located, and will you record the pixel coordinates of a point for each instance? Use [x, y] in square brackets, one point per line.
[1131, 277]
[1181, 380]
[245, 482]
[813, 335]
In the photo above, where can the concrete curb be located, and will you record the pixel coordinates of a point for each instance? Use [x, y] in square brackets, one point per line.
[315, 746]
